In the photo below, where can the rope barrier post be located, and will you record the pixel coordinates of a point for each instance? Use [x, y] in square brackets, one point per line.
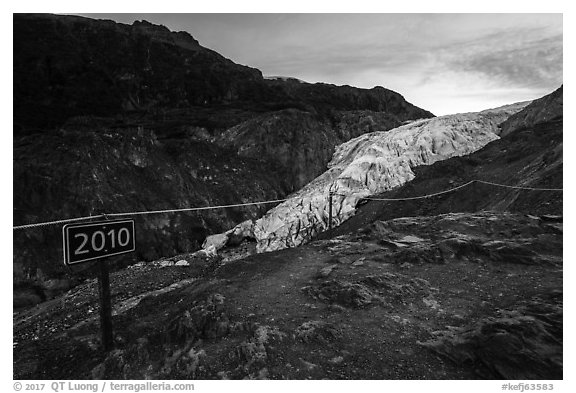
[330, 209]
[105, 305]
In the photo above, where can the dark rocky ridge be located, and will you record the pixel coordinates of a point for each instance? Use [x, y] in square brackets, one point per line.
[542, 110]
[66, 66]
[111, 118]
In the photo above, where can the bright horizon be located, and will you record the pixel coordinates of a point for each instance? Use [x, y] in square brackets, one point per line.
[444, 63]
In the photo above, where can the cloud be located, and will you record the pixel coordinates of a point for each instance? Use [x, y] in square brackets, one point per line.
[515, 59]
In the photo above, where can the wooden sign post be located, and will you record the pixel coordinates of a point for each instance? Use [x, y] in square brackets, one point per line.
[105, 306]
[330, 210]
[95, 241]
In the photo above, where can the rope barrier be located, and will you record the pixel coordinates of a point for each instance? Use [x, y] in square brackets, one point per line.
[462, 186]
[520, 188]
[193, 208]
[422, 196]
[41, 224]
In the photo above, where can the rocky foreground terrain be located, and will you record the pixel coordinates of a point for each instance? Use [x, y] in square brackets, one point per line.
[453, 296]
[461, 286]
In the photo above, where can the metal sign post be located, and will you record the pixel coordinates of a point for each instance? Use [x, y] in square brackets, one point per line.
[95, 241]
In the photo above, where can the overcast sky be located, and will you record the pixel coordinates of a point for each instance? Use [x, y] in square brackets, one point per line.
[445, 63]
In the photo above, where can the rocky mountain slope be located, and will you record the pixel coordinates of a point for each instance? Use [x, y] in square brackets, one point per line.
[69, 66]
[373, 163]
[71, 173]
[543, 110]
[300, 143]
[66, 66]
[111, 118]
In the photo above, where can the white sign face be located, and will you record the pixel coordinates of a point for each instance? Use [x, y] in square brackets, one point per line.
[86, 242]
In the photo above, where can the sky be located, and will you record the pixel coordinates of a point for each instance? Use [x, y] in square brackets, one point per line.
[445, 63]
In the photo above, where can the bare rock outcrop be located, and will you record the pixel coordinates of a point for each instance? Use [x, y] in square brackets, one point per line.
[233, 237]
[545, 109]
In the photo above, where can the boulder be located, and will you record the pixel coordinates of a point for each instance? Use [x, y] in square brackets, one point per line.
[165, 263]
[217, 241]
[233, 237]
[240, 232]
[317, 331]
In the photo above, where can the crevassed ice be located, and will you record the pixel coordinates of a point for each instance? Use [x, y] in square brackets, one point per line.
[373, 163]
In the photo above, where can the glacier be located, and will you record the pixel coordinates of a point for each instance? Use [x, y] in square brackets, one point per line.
[371, 164]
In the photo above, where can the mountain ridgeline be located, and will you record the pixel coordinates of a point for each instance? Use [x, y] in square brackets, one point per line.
[68, 66]
[112, 118]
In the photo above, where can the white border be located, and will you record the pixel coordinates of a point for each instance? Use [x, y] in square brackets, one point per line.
[439, 6]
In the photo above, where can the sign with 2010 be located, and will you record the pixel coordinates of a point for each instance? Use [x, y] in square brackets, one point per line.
[86, 242]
